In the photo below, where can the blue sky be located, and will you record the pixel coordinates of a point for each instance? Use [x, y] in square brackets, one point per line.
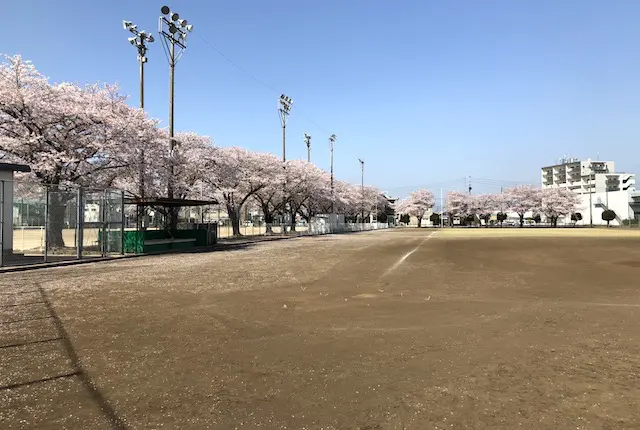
[427, 92]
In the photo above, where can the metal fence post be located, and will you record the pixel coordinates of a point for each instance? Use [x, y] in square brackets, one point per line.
[79, 224]
[2, 223]
[103, 221]
[123, 220]
[46, 223]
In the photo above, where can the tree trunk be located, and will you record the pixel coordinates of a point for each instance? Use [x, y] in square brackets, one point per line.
[293, 218]
[234, 216]
[268, 218]
[57, 207]
[419, 221]
[521, 220]
[55, 220]
[172, 215]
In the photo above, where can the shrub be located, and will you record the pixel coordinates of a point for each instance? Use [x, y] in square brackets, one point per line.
[608, 216]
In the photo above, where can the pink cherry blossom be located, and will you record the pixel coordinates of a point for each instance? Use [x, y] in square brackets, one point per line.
[418, 204]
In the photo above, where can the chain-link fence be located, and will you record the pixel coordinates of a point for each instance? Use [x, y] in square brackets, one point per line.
[53, 222]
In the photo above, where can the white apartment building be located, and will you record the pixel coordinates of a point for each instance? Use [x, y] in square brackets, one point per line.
[599, 186]
[584, 177]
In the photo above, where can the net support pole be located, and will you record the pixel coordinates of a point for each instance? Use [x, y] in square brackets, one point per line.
[122, 223]
[79, 224]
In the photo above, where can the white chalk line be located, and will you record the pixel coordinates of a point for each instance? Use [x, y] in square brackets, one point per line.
[407, 255]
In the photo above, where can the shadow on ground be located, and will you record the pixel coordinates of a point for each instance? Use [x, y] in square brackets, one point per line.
[32, 307]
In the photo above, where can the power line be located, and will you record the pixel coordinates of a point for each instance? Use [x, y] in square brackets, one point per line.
[498, 181]
[239, 67]
[459, 181]
[259, 81]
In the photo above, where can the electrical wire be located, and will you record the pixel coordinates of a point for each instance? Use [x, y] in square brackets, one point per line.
[470, 180]
[259, 81]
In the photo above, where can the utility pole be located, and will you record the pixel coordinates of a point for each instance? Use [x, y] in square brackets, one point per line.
[441, 209]
[307, 140]
[590, 198]
[140, 40]
[469, 185]
[332, 140]
[174, 31]
[362, 188]
[284, 107]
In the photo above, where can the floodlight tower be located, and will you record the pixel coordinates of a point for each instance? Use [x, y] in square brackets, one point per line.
[284, 108]
[174, 33]
[140, 40]
[307, 140]
[362, 187]
[332, 140]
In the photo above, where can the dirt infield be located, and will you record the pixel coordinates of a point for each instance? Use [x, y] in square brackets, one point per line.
[404, 329]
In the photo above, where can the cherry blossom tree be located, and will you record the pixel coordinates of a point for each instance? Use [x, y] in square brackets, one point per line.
[302, 180]
[500, 203]
[235, 175]
[322, 200]
[458, 205]
[67, 134]
[557, 202]
[524, 198]
[189, 163]
[484, 206]
[417, 204]
[320, 196]
[385, 208]
[371, 201]
[270, 197]
[347, 200]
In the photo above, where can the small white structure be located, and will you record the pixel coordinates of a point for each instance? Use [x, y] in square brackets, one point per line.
[6, 206]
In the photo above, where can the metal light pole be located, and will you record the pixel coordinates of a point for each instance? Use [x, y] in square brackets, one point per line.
[140, 40]
[307, 140]
[441, 209]
[362, 188]
[174, 31]
[284, 108]
[332, 140]
[590, 198]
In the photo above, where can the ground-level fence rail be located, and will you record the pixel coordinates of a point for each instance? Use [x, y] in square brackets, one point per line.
[47, 223]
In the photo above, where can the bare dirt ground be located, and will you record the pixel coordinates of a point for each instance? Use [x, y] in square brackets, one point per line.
[404, 329]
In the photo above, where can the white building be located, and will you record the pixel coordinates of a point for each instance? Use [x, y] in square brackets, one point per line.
[599, 186]
[584, 177]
